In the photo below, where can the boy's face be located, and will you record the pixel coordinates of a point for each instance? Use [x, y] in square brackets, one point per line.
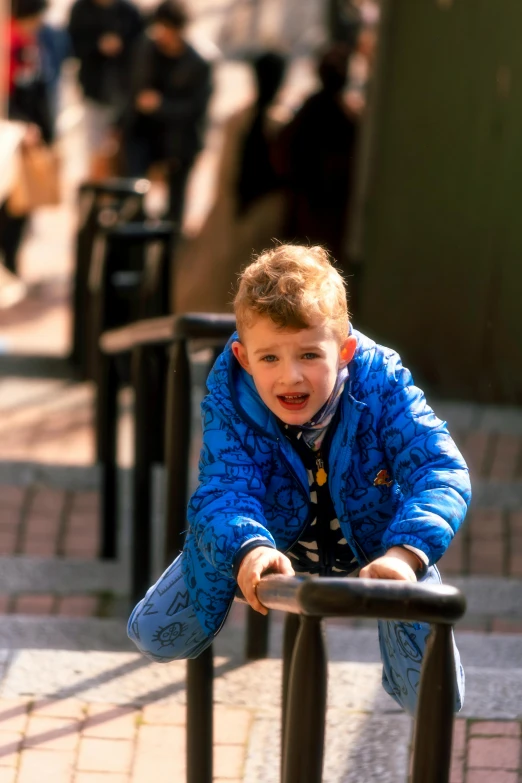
[294, 370]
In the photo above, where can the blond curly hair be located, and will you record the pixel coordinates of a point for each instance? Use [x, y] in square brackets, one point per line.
[293, 285]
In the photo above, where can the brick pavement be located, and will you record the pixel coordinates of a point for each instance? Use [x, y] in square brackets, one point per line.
[74, 741]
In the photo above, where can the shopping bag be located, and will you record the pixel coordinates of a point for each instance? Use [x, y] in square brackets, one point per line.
[37, 180]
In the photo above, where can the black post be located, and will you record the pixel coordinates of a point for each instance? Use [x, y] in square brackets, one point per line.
[99, 204]
[258, 626]
[177, 448]
[88, 225]
[292, 622]
[435, 709]
[106, 444]
[200, 674]
[147, 383]
[306, 711]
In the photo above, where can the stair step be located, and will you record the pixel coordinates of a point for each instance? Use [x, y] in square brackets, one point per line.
[94, 659]
[62, 576]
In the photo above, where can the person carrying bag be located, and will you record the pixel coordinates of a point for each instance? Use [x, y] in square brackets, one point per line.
[36, 175]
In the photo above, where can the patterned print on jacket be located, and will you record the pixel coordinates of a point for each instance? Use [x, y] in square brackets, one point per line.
[252, 484]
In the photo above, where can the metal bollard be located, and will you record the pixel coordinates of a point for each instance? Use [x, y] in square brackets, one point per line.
[200, 714]
[100, 204]
[148, 381]
[435, 710]
[306, 706]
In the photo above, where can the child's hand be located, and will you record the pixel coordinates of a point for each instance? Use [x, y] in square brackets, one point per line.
[397, 563]
[254, 565]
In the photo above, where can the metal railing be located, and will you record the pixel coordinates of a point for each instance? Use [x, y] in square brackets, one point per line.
[161, 379]
[304, 695]
[162, 385]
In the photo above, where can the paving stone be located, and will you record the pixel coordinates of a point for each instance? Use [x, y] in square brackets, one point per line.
[60, 707]
[10, 746]
[229, 760]
[231, 727]
[105, 755]
[486, 776]
[52, 733]
[100, 777]
[78, 606]
[160, 753]
[58, 766]
[111, 721]
[161, 713]
[495, 728]
[459, 738]
[494, 753]
[14, 714]
[34, 604]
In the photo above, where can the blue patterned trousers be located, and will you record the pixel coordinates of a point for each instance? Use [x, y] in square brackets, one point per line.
[164, 627]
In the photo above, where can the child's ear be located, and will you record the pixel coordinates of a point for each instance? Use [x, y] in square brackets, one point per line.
[239, 351]
[347, 350]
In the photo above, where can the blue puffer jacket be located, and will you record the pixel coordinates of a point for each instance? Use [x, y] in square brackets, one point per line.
[252, 484]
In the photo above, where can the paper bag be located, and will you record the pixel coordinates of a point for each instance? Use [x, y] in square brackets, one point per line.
[37, 180]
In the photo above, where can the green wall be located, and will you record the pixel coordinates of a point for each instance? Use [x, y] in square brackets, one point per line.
[442, 232]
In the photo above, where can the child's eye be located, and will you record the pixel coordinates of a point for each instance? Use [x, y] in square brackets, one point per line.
[310, 355]
[270, 358]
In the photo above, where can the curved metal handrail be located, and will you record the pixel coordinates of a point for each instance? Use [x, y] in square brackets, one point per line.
[156, 331]
[372, 598]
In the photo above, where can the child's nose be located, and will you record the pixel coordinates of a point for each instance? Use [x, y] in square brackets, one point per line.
[291, 374]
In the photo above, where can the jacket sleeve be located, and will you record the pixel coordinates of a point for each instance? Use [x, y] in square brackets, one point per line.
[225, 512]
[427, 465]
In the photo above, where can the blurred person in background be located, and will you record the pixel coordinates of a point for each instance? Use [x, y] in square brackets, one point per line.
[55, 46]
[317, 156]
[249, 203]
[103, 35]
[27, 102]
[343, 21]
[171, 87]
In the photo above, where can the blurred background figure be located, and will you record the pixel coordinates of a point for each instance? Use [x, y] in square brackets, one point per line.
[55, 47]
[171, 88]
[317, 156]
[27, 102]
[103, 34]
[343, 21]
[249, 203]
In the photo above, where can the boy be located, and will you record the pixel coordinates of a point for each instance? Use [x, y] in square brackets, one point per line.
[319, 456]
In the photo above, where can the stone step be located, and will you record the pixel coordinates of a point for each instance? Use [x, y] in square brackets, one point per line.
[486, 596]
[495, 652]
[62, 576]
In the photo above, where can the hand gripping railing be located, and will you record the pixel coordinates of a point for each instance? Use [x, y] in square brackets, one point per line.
[305, 664]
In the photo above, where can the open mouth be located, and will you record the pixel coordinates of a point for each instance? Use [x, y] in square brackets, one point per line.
[293, 402]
